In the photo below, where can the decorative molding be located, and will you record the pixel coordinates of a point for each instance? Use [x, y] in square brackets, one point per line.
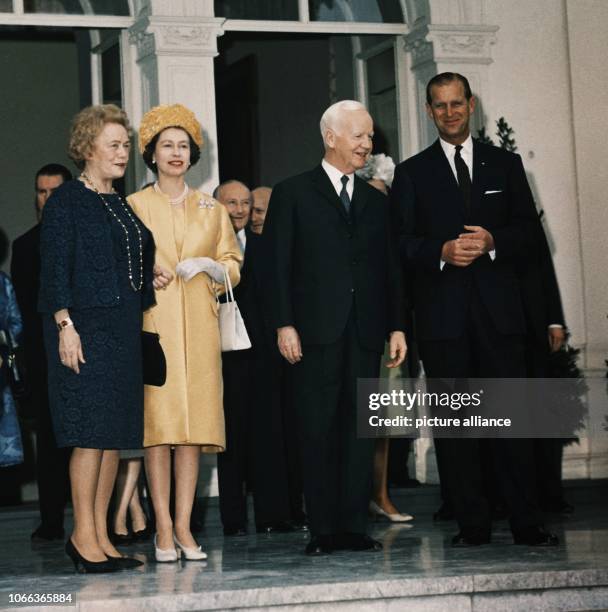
[143, 41]
[175, 37]
[451, 44]
[462, 43]
[421, 49]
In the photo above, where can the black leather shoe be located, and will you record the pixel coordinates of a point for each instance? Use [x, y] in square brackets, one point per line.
[235, 530]
[319, 545]
[357, 542]
[535, 536]
[277, 527]
[300, 525]
[47, 534]
[560, 507]
[445, 513]
[461, 540]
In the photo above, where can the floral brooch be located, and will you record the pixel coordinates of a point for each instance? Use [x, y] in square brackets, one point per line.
[206, 202]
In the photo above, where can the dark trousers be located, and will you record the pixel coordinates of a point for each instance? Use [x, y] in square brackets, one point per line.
[482, 352]
[52, 465]
[336, 466]
[255, 457]
[548, 452]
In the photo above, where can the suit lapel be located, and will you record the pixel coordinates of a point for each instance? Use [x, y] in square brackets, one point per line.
[323, 185]
[360, 198]
[480, 169]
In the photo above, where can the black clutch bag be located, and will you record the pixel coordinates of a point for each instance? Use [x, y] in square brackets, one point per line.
[154, 364]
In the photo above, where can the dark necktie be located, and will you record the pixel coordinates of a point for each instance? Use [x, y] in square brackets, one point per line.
[344, 194]
[464, 178]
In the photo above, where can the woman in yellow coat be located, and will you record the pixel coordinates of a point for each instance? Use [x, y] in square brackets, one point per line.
[195, 242]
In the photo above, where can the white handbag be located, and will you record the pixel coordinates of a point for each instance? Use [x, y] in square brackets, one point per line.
[233, 333]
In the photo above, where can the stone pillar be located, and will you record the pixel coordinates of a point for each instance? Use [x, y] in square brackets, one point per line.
[449, 48]
[175, 44]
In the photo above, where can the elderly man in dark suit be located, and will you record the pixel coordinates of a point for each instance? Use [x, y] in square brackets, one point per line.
[467, 220]
[51, 462]
[334, 292]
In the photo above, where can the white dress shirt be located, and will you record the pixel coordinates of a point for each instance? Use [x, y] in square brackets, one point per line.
[241, 238]
[335, 176]
[466, 153]
[467, 157]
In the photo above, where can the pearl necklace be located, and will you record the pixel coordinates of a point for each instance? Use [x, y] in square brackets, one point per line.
[126, 232]
[173, 201]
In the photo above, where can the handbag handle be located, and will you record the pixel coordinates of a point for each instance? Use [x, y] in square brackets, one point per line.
[227, 288]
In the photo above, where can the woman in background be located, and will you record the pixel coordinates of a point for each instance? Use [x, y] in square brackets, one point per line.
[11, 448]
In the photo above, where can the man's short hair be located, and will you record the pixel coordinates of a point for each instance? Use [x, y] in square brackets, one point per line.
[330, 117]
[448, 77]
[54, 170]
[216, 191]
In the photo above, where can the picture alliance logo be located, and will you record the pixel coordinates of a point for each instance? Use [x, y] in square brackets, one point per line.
[424, 399]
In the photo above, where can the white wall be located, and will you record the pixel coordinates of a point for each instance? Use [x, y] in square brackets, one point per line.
[529, 84]
[588, 45]
[39, 83]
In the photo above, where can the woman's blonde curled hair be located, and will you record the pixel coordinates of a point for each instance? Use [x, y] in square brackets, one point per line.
[88, 124]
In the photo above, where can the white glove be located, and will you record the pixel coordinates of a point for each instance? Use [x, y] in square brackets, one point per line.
[189, 268]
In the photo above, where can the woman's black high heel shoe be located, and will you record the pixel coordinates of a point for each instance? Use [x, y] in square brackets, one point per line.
[83, 566]
[126, 562]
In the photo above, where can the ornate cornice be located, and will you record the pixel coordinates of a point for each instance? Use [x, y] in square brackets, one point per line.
[451, 44]
[174, 37]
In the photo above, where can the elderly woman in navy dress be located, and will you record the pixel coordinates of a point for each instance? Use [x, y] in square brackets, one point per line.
[97, 276]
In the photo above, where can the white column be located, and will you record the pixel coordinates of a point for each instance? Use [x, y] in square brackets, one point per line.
[174, 53]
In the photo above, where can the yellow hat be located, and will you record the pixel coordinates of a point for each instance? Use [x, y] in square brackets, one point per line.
[165, 116]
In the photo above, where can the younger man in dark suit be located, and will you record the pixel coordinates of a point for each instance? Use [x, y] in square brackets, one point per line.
[467, 221]
[334, 292]
[51, 462]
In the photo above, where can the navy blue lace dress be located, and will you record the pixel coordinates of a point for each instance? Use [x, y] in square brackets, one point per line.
[102, 407]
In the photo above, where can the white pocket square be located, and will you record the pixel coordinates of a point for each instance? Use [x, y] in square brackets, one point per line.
[489, 191]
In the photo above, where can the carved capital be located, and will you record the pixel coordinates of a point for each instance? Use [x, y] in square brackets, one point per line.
[462, 44]
[168, 36]
[421, 49]
[143, 40]
[450, 44]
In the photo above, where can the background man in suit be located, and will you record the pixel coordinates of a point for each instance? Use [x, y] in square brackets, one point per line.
[467, 220]
[51, 462]
[261, 198]
[335, 294]
[546, 334]
[255, 457]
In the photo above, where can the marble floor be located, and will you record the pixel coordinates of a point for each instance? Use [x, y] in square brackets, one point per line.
[417, 570]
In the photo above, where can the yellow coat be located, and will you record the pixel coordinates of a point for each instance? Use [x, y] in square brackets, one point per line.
[188, 408]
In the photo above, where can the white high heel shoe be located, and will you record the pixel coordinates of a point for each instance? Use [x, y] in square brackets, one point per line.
[191, 554]
[165, 555]
[398, 517]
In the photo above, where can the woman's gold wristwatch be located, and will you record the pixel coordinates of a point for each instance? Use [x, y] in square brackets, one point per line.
[64, 323]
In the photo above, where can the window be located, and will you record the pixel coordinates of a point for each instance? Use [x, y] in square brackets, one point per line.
[77, 7]
[368, 11]
[283, 10]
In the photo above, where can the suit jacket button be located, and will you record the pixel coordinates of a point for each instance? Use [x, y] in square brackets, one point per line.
[352, 290]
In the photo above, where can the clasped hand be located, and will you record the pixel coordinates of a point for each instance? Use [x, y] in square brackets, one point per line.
[162, 277]
[189, 268]
[465, 249]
